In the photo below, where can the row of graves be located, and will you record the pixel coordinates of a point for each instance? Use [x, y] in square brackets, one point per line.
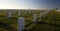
[44, 22]
[29, 23]
[13, 19]
[26, 20]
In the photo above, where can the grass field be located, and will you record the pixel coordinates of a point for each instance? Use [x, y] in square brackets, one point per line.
[11, 24]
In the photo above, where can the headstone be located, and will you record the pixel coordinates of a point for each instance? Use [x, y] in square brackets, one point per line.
[22, 11]
[34, 17]
[58, 10]
[35, 11]
[32, 11]
[25, 12]
[21, 21]
[19, 13]
[47, 12]
[41, 14]
[9, 13]
[29, 11]
[14, 11]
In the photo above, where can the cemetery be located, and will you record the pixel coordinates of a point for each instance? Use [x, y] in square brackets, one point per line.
[29, 20]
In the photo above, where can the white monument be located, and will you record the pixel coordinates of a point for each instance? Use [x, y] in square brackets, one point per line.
[14, 11]
[41, 14]
[19, 13]
[9, 13]
[29, 11]
[21, 24]
[25, 12]
[34, 17]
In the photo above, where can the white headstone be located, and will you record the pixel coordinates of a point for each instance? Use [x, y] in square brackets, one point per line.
[14, 11]
[58, 10]
[41, 14]
[19, 13]
[22, 11]
[29, 11]
[47, 12]
[25, 12]
[21, 21]
[34, 17]
[9, 13]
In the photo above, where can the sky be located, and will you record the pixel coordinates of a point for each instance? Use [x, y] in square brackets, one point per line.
[32, 4]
